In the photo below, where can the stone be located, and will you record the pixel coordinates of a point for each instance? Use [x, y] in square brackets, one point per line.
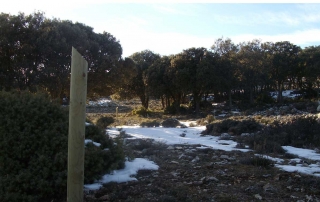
[170, 147]
[269, 188]
[212, 179]
[257, 196]
[197, 183]
[104, 198]
[224, 157]
[246, 134]
[225, 136]
[195, 159]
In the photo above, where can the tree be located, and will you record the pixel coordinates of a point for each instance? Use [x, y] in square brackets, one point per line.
[250, 60]
[19, 52]
[284, 62]
[310, 64]
[225, 51]
[121, 78]
[143, 61]
[35, 54]
[192, 72]
[157, 80]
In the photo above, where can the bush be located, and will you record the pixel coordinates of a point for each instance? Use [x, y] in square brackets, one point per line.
[257, 161]
[34, 149]
[170, 123]
[231, 126]
[204, 121]
[141, 112]
[101, 160]
[150, 124]
[104, 122]
[172, 109]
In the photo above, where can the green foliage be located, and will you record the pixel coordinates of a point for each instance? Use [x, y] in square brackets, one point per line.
[172, 109]
[204, 121]
[150, 124]
[104, 122]
[141, 111]
[231, 126]
[100, 160]
[301, 132]
[27, 60]
[34, 146]
[264, 98]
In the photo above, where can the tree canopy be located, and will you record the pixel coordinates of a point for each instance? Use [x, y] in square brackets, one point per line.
[35, 55]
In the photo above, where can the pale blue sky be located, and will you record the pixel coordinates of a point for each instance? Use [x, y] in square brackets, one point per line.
[167, 28]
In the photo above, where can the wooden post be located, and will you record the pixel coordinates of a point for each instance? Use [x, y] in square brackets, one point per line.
[77, 118]
[116, 112]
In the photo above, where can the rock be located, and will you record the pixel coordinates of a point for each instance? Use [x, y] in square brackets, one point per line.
[182, 135]
[269, 188]
[195, 159]
[170, 147]
[104, 198]
[197, 183]
[224, 157]
[257, 196]
[183, 126]
[246, 134]
[225, 136]
[318, 108]
[212, 179]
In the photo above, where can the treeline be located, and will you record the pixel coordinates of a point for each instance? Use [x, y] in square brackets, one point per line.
[35, 54]
[245, 71]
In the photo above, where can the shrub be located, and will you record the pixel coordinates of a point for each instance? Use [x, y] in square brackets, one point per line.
[170, 123]
[141, 112]
[33, 147]
[150, 124]
[172, 109]
[209, 119]
[104, 122]
[257, 161]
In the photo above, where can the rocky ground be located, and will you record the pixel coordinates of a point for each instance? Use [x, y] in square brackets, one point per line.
[187, 173]
[190, 174]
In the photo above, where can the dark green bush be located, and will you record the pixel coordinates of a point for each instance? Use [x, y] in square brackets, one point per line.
[150, 124]
[141, 112]
[245, 126]
[33, 148]
[104, 122]
[101, 160]
[301, 132]
[172, 109]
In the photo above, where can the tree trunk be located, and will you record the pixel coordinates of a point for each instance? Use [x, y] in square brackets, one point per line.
[162, 101]
[230, 98]
[251, 96]
[279, 98]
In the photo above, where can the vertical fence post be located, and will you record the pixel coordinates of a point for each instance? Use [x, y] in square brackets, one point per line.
[77, 117]
[116, 112]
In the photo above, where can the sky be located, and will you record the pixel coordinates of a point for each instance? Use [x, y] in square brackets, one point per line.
[169, 28]
[171, 136]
